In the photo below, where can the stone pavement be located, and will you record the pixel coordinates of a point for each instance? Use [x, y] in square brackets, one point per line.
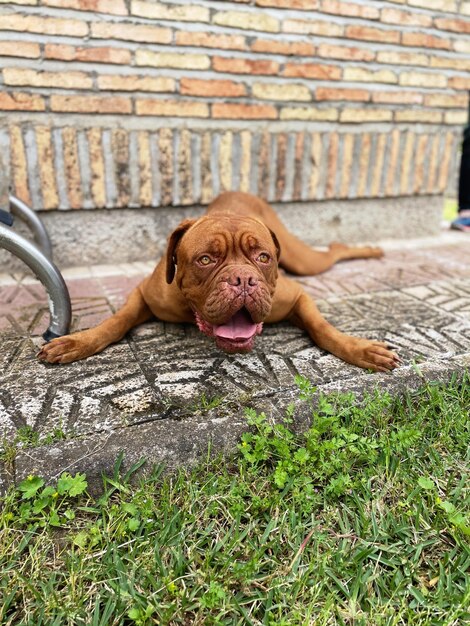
[165, 391]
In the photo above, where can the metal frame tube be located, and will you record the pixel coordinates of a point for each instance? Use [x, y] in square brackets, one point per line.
[60, 309]
[21, 210]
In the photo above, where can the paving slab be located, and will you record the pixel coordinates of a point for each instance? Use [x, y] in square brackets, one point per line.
[151, 394]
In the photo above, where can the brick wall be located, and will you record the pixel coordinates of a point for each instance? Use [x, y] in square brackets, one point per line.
[115, 103]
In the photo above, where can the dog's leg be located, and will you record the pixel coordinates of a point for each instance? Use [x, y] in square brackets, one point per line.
[302, 260]
[299, 258]
[374, 355]
[87, 342]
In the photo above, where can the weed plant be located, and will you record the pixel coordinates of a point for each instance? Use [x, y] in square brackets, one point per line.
[363, 519]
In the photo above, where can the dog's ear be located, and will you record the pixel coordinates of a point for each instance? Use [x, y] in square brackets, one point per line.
[173, 242]
[276, 243]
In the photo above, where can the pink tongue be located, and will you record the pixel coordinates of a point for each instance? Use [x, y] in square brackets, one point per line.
[240, 326]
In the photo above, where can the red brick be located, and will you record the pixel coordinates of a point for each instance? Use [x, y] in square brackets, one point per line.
[281, 91]
[359, 116]
[422, 79]
[312, 70]
[120, 150]
[262, 184]
[423, 40]
[456, 26]
[461, 44]
[118, 82]
[454, 62]
[243, 111]
[332, 51]
[422, 150]
[59, 52]
[185, 12]
[397, 97]
[332, 165]
[280, 175]
[420, 116]
[24, 49]
[165, 165]
[405, 18]
[145, 170]
[322, 28]
[115, 7]
[131, 32]
[459, 82]
[184, 156]
[23, 2]
[350, 9]
[21, 102]
[98, 175]
[369, 33]
[364, 75]
[207, 40]
[259, 20]
[300, 148]
[459, 118]
[72, 167]
[311, 114]
[19, 167]
[103, 54]
[363, 162]
[43, 25]
[212, 88]
[61, 80]
[454, 101]
[171, 108]
[392, 57]
[303, 5]
[329, 93]
[189, 61]
[272, 46]
[392, 164]
[245, 66]
[345, 164]
[45, 150]
[91, 104]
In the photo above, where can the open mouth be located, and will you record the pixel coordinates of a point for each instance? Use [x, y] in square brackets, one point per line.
[236, 335]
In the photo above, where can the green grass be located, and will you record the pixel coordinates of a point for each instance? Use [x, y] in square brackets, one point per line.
[362, 520]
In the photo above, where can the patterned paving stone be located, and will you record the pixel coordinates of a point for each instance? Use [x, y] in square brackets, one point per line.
[397, 270]
[452, 296]
[416, 299]
[417, 330]
[177, 442]
[99, 394]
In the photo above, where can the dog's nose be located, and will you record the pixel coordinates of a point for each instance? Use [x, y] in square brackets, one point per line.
[238, 281]
[242, 281]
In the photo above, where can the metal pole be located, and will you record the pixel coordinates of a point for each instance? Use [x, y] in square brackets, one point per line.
[60, 309]
[21, 210]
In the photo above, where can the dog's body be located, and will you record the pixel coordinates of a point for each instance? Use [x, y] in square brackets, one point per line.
[220, 271]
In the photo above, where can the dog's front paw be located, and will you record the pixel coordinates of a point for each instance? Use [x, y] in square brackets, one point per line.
[66, 349]
[374, 355]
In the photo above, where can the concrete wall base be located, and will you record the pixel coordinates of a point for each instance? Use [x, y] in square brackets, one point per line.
[126, 235]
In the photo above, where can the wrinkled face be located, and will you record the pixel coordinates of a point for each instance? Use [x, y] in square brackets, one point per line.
[227, 271]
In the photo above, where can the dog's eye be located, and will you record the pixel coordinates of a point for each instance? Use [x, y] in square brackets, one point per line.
[205, 260]
[264, 258]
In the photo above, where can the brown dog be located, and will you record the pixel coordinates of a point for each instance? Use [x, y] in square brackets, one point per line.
[221, 272]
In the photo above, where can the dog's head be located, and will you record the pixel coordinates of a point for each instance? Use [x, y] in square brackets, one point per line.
[226, 267]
